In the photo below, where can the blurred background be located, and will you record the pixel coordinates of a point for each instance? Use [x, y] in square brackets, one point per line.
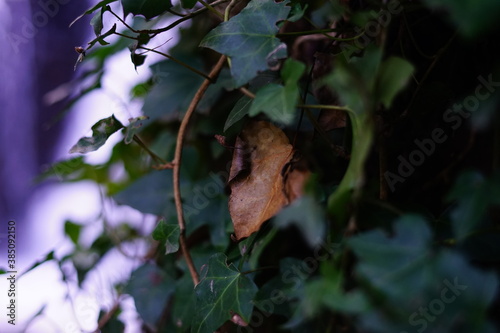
[37, 61]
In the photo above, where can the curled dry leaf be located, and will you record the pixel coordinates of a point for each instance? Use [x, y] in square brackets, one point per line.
[260, 178]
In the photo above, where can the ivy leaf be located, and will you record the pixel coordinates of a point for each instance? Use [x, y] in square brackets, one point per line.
[146, 8]
[175, 88]
[297, 12]
[96, 21]
[223, 293]
[355, 81]
[100, 4]
[152, 194]
[183, 302]
[151, 288]
[239, 111]
[168, 233]
[430, 274]
[72, 230]
[101, 131]
[249, 38]
[473, 193]
[100, 38]
[259, 190]
[242, 106]
[278, 101]
[393, 75]
[137, 59]
[132, 128]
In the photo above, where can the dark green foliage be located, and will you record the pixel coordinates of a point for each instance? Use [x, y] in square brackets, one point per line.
[393, 108]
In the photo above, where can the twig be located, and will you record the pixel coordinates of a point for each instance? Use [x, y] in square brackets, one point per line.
[107, 317]
[155, 157]
[247, 92]
[173, 24]
[177, 164]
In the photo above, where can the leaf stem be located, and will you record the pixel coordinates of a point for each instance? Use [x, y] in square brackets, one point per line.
[228, 10]
[210, 8]
[177, 164]
[155, 157]
[247, 92]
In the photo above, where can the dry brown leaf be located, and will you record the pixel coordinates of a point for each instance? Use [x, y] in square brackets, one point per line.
[258, 189]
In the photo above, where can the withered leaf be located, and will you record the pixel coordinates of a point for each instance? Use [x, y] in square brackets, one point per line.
[257, 182]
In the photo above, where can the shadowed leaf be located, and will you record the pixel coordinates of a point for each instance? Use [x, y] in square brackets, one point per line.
[101, 131]
[249, 38]
[222, 293]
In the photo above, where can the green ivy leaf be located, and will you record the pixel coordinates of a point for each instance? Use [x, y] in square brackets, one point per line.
[242, 106]
[183, 302]
[100, 4]
[100, 38]
[96, 21]
[223, 292]
[133, 127]
[355, 81]
[175, 88]
[101, 131]
[168, 233]
[297, 12]
[152, 194]
[249, 38]
[416, 277]
[72, 230]
[146, 8]
[239, 111]
[151, 288]
[278, 101]
[393, 76]
[474, 194]
[328, 291]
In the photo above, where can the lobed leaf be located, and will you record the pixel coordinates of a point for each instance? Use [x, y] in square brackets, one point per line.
[169, 234]
[249, 38]
[101, 131]
[223, 293]
[277, 101]
[151, 288]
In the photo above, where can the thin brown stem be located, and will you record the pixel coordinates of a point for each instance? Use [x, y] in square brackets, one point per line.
[247, 92]
[107, 316]
[177, 164]
[155, 157]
